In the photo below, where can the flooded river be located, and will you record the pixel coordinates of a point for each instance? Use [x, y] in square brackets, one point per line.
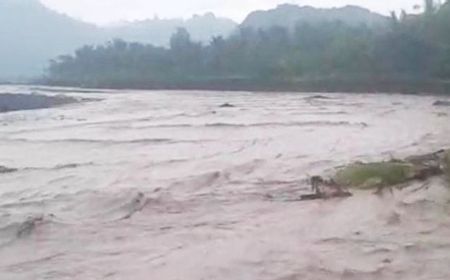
[172, 186]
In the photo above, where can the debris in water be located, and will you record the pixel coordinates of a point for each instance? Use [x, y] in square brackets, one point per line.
[317, 97]
[446, 165]
[377, 175]
[4, 170]
[137, 204]
[227, 105]
[28, 226]
[325, 189]
[442, 103]
[373, 175]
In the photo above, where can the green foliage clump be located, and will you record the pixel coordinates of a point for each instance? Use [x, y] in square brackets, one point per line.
[372, 175]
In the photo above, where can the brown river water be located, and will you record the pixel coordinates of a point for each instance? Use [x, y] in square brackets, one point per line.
[169, 186]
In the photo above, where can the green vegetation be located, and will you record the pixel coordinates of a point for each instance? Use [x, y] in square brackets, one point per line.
[394, 172]
[372, 175]
[411, 53]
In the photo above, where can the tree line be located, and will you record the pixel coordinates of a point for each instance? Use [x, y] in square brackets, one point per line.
[409, 52]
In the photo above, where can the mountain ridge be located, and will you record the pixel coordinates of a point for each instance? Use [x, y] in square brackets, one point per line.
[290, 15]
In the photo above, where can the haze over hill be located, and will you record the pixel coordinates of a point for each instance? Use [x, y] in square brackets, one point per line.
[289, 16]
[158, 31]
[34, 34]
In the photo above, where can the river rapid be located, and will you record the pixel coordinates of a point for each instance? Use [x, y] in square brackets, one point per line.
[172, 186]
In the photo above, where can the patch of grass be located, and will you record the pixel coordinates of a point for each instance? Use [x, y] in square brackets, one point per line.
[373, 175]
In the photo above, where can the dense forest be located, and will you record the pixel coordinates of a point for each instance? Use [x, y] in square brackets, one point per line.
[410, 53]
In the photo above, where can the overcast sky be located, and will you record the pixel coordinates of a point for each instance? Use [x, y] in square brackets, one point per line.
[109, 11]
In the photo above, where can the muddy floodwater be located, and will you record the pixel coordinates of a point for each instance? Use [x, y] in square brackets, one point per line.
[173, 186]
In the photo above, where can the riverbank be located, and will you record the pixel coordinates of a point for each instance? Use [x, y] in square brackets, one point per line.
[369, 85]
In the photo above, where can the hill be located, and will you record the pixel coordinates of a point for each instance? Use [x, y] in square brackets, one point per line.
[32, 34]
[158, 31]
[289, 16]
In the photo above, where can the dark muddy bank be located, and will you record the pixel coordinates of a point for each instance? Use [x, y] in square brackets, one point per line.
[18, 102]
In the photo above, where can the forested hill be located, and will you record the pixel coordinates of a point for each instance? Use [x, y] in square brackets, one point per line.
[289, 16]
[32, 34]
[410, 53]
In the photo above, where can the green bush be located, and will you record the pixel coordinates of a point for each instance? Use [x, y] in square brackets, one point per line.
[373, 175]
